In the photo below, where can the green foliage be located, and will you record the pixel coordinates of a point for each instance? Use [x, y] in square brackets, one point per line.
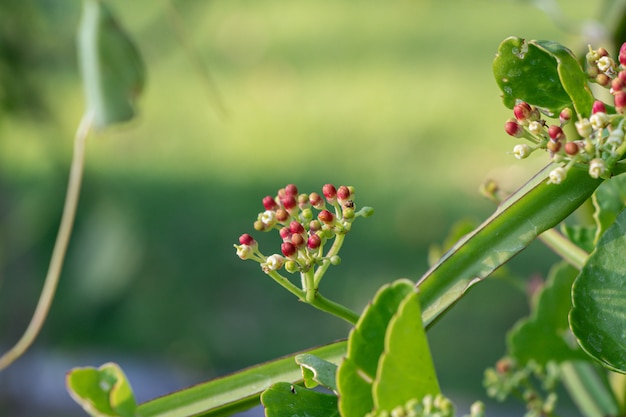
[609, 200]
[284, 399]
[112, 69]
[544, 74]
[316, 370]
[599, 297]
[102, 392]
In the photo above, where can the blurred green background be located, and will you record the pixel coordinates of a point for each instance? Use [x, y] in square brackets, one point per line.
[393, 97]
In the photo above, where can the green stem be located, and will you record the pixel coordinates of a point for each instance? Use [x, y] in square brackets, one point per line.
[59, 250]
[564, 247]
[286, 284]
[587, 390]
[322, 303]
[333, 251]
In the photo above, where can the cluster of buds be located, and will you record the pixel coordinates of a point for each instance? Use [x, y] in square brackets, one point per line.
[599, 137]
[305, 222]
[430, 406]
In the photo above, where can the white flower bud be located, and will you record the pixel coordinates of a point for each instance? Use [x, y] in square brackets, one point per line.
[599, 120]
[268, 217]
[616, 137]
[272, 263]
[557, 175]
[597, 167]
[244, 251]
[606, 65]
[583, 127]
[521, 151]
[535, 128]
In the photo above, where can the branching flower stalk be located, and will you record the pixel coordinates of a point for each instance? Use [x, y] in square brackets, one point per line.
[600, 142]
[304, 236]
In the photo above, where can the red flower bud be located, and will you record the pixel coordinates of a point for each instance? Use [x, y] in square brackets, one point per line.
[622, 54]
[246, 239]
[330, 192]
[598, 107]
[617, 84]
[571, 148]
[288, 201]
[326, 217]
[314, 242]
[522, 111]
[555, 132]
[285, 233]
[288, 249]
[282, 215]
[513, 128]
[620, 101]
[316, 200]
[298, 240]
[291, 189]
[343, 193]
[565, 115]
[315, 225]
[296, 227]
[622, 76]
[269, 203]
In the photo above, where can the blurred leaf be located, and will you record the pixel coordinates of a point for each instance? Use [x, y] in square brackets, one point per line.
[284, 399]
[366, 344]
[541, 336]
[112, 69]
[102, 392]
[598, 317]
[541, 73]
[609, 200]
[405, 370]
[581, 236]
[458, 230]
[316, 370]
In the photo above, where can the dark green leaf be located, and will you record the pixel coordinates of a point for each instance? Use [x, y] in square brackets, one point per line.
[582, 236]
[609, 200]
[405, 370]
[102, 392]
[316, 370]
[286, 400]
[366, 344]
[544, 74]
[112, 70]
[542, 336]
[598, 318]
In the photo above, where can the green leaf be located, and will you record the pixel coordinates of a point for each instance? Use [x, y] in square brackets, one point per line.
[541, 73]
[237, 391]
[366, 344]
[609, 200]
[316, 370]
[286, 400]
[598, 317]
[582, 236]
[405, 370]
[541, 337]
[102, 392]
[112, 69]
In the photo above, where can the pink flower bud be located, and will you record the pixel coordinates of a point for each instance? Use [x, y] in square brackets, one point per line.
[296, 227]
[617, 85]
[291, 189]
[314, 242]
[303, 201]
[565, 115]
[513, 128]
[598, 107]
[246, 239]
[343, 194]
[622, 76]
[315, 225]
[269, 203]
[298, 240]
[282, 215]
[288, 201]
[522, 111]
[316, 200]
[288, 249]
[285, 233]
[622, 54]
[326, 217]
[571, 148]
[556, 133]
[620, 101]
[330, 192]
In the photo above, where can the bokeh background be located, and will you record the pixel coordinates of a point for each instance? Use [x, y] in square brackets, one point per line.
[393, 97]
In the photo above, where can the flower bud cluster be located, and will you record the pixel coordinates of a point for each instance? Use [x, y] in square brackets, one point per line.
[599, 136]
[430, 406]
[306, 223]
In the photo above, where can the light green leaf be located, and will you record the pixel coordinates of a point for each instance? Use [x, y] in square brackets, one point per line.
[609, 200]
[102, 392]
[316, 370]
[542, 337]
[405, 370]
[112, 69]
[366, 344]
[286, 400]
[598, 317]
[541, 73]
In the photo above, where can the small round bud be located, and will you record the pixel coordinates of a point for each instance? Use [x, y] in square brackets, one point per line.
[291, 266]
[598, 107]
[556, 133]
[622, 54]
[288, 249]
[288, 201]
[273, 263]
[291, 189]
[335, 260]
[316, 200]
[513, 128]
[282, 215]
[285, 233]
[536, 127]
[553, 146]
[597, 167]
[348, 213]
[314, 242]
[268, 217]
[522, 111]
[330, 192]
[269, 203]
[326, 217]
[571, 148]
[557, 175]
[366, 212]
[602, 52]
[521, 151]
[617, 85]
[296, 227]
[622, 76]
[583, 127]
[315, 225]
[477, 409]
[244, 251]
[306, 214]
[620, 101]
[259, 226]
[246, 239]
[298, 240]
[303, 201]
[599, 120]
[343, 194]
[565, 115]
